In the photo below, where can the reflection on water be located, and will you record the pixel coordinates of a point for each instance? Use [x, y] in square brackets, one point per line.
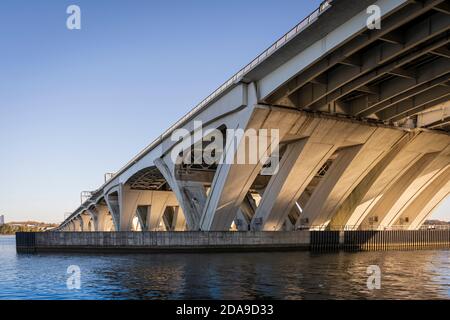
[292, 275]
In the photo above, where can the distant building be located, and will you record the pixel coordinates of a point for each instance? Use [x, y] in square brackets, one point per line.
[2, 220]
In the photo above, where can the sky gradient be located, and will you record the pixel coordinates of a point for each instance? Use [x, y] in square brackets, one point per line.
[75, 104]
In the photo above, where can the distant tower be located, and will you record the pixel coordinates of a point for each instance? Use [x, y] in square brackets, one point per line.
[2, 220]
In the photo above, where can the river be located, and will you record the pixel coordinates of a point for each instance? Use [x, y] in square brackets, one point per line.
[281, 275]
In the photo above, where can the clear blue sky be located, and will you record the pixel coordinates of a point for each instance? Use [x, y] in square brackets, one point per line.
[77, 104]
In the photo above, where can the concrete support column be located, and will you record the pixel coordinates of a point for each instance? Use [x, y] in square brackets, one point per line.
[159, 202]
[191, 195]
[85, 222]
[148, 206]
[109, 224]
[143, 214]
[242, 223]
[173, 219]
[300, 163]
[233, 179]
[246, 213]
[101, 216]
[380, 212]
[354, 207]
[428, 168]
[352, 164]
[179, 219]
[77, 225]
[426, 202]
[128, 206]
[113, 199]
[405, 154]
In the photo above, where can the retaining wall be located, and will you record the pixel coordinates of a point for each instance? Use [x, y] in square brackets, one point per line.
[125, 242]
[161, 241]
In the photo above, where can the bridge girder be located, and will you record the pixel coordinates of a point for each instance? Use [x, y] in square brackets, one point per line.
[363, 78]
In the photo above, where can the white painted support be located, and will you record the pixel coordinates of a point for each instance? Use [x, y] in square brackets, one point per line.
[352, 164]
[128, 200]
[101, 217]
[191, 195]
[407, 197]
[300, 163]
[179, 223]
[232, 181]
[86, 222]
[426, 203]
[419, 181]
[365, 195]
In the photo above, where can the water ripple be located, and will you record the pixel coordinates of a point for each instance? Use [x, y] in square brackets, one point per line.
[293, 275]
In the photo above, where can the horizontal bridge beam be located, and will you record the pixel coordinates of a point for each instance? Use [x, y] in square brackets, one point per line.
[345, 53]
[343, 81]
[368, 105]
[398, 110]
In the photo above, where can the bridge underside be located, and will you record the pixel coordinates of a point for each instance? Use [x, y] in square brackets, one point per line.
[392, 75]
[334, 173]
[364, 143]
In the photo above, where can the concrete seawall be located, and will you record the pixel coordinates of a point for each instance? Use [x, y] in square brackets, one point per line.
[129, 242]
[161, 241]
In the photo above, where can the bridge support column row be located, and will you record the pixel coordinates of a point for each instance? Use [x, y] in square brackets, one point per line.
[191, 195]
[300, 163]
[426, 202]
[233, 181]
[101, 217]
[431, 159]
[148, 206]
[373, 168]
[361, 151]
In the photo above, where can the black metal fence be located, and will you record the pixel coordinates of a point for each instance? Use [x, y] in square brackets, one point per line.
[319, 241]
[396, 240]
[324, 241]
[26, 242]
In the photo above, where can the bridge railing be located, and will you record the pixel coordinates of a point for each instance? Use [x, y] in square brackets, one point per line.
[370, 228]
[241, 73]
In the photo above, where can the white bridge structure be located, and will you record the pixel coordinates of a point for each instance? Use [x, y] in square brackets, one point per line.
[363, 116]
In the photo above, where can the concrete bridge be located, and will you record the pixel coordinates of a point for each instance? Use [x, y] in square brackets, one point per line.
[362, 118]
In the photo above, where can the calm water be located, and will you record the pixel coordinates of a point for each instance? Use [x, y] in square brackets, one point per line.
[294, 275]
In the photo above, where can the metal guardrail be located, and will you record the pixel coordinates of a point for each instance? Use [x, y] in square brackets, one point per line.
[241, 73]
[229, 83]
[435, 227]
[369, 228]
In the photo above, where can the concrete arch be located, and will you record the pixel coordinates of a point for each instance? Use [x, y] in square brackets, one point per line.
[101, 217]
[233, 181]
[77, 225]
[301, 162]
[124, 203]
[87, 221]
[112, 200]
[352, 164]
[395, 199]
[371, 189]
[425, 203]
[383, 210]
